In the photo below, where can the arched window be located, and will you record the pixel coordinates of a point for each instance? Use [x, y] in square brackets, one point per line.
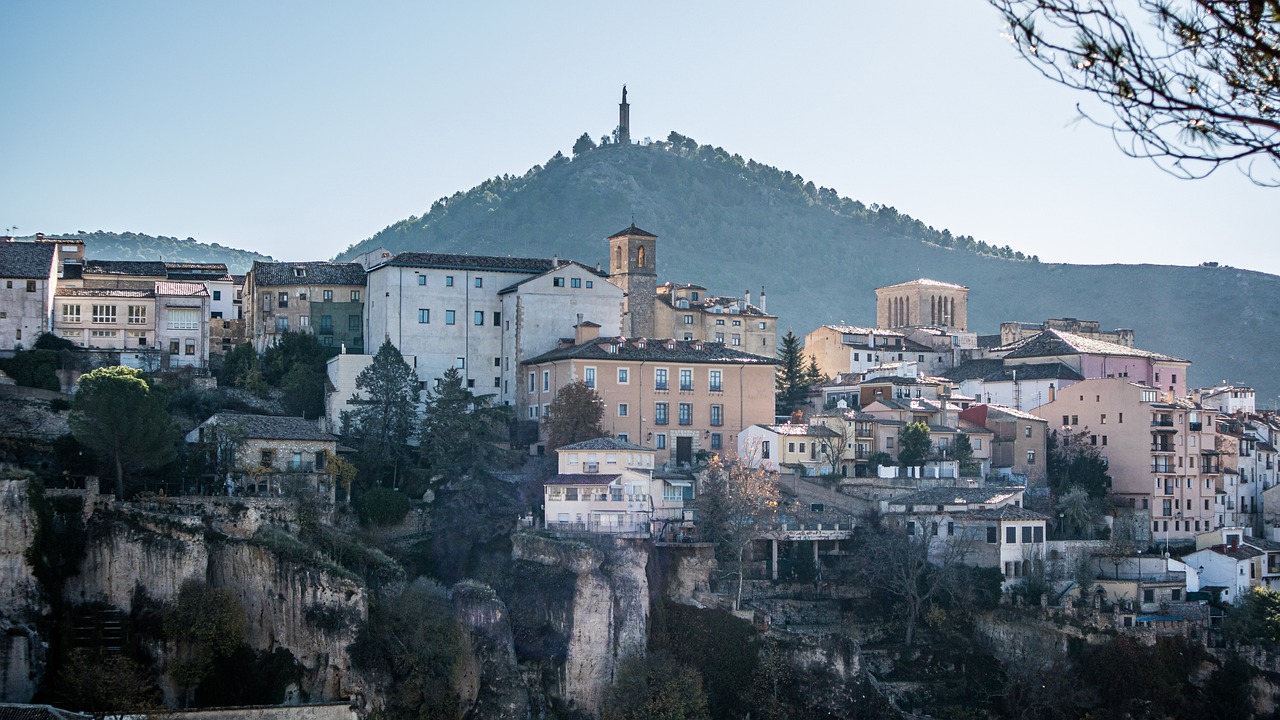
[618, 258]
[640, 257]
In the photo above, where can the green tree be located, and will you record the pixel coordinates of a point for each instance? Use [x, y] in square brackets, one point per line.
[1073, 461]
[207, 624]
[1255, 618]
[735, 505]
[295, 363]
[962, 452]
[242, 368]
[574, 415]
[1076, 511]
[914, 444]
[584, 144]
[1192, 85]
[655, 687]
[792, 382]
[460, 430]
[107, 685]
[119, 416]
[384, 414]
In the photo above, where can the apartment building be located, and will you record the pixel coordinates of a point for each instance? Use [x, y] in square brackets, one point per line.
[690, 312]
[675, 396]
[1018, 442]
[1161, 450]
[323, 298]
[29, 275]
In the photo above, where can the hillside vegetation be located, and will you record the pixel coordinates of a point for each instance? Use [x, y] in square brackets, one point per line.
[101, 245]
[734, 224]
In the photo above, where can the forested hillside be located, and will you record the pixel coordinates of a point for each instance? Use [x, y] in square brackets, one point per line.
[101, 245]
[734, 224]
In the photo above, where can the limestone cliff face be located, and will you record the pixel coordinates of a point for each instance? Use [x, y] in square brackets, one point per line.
[127, 549]
[21, 656]
[311, 613]
[491, 686]
[607, 618]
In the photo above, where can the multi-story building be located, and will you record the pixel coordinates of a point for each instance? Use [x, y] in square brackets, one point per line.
[1015, 332]
[182, 323]
[1018, 442]
[323, 298]
[1161, 451]
[796, 448]
[676, 396]
[29, 275]
[840, 349]
[607, 485]
[109, 319]
[1229, 399]
[1022, 387]
[1100, 359]
[689, 312]
[923, 303]
[484, 315]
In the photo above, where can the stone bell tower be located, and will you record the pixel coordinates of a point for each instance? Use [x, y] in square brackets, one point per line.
[633, 267]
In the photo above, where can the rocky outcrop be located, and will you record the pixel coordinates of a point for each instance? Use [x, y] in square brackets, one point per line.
[21, 647]
[126, 549]
[607, 619]
[491, 685]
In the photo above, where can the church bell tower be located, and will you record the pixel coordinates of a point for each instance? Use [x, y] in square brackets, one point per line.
[633, 267]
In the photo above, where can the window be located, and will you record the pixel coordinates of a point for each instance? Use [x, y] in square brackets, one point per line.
[686, 413]
[326, 324]
[266, 457]
[282, 299]
[461, 364]
[546, 381]
[1103, 422]
[888, 443]
[450, 317]
[557, 282]
[660, 379]
[355, 296]
[993, 534]
[764, 450]
[328, 296]
[190, 347]
[448, 281]
[1148, 595]
[217, 295]
[623, 437]
[1075, 419]
[104, 313]
[179, 318]
[714, 382]
[478, 317]
[719, 322]
[589, 377]
[660, 413]
[737, 323]
[1031, 457]
[575, 282]
[1027, 431]
[624, 376]
[424, 315]
[623, 409]
[1011, 535]
[977, 443]
[422, 279]
[720, 337]
[497, 319]
[70, 313]
[282, 323]
[479, 282]
[737, 340]
[533, 382]
[353, 323]
[660, 441]
[717, 441]
[717, 415]
[686, 379]
[688, 319]
[1038, 534]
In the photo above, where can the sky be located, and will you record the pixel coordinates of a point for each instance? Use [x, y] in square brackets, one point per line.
[296, 128]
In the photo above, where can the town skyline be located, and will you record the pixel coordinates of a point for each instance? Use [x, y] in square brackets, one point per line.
[253, 132]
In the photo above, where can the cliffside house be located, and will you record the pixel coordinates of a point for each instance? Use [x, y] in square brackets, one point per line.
[607, 485]
[264, 455]
[324, 298]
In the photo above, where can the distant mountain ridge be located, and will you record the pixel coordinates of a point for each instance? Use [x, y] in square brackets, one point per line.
[102, 245]
[735, 224]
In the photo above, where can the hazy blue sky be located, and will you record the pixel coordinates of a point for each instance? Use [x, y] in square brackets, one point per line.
[298, 128]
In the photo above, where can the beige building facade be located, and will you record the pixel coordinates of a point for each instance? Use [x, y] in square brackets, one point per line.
[923, 303]
[689, 312]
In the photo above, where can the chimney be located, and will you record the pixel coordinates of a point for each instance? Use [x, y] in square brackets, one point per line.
[1053, 394]
[762, 309]
[555, 261]
[748, 296]
[585, 331]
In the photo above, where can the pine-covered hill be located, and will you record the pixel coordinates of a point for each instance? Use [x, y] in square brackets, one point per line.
[102, 245]
[734, 225]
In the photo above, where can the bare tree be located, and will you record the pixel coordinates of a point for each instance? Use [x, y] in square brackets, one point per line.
[914, 564]
[1190, 84]
[834, 447]
[737, 503]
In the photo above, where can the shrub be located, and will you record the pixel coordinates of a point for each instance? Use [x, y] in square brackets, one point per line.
[382, 507]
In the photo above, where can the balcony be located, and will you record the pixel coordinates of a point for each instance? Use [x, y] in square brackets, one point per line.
[1195, 426]
[1162, 447]
[1162, 422]
[1210, 468]
[1159, 467]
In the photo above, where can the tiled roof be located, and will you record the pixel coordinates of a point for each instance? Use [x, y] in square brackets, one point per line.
[801, 430]
[633, 230]
[638, 349]
[858, 330]
[582, 479]
[605, 443]
[1052, 343]
[144, 268]
[26, 259]
[1005, 512]
[266, 427]
[974, 369]
[454, 261]
[316, 273]
[595, 272]
[104, 292]
[181, 289]
[925, 282]
[957, 496]
[714, 304]
[17, 711]
[1010, 412]
[1035, 371]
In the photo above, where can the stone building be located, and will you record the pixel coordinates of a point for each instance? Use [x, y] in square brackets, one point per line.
[29, 275]
[689, 312]
[318, 297]
[923, 303]
[633, 267]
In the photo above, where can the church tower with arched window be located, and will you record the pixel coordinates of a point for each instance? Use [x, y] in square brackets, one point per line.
[633, 267]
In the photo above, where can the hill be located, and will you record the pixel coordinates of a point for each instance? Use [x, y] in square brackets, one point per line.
[101, 245]
[734, 224]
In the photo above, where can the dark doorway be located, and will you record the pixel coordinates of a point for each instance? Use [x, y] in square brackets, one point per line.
[684, 450]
